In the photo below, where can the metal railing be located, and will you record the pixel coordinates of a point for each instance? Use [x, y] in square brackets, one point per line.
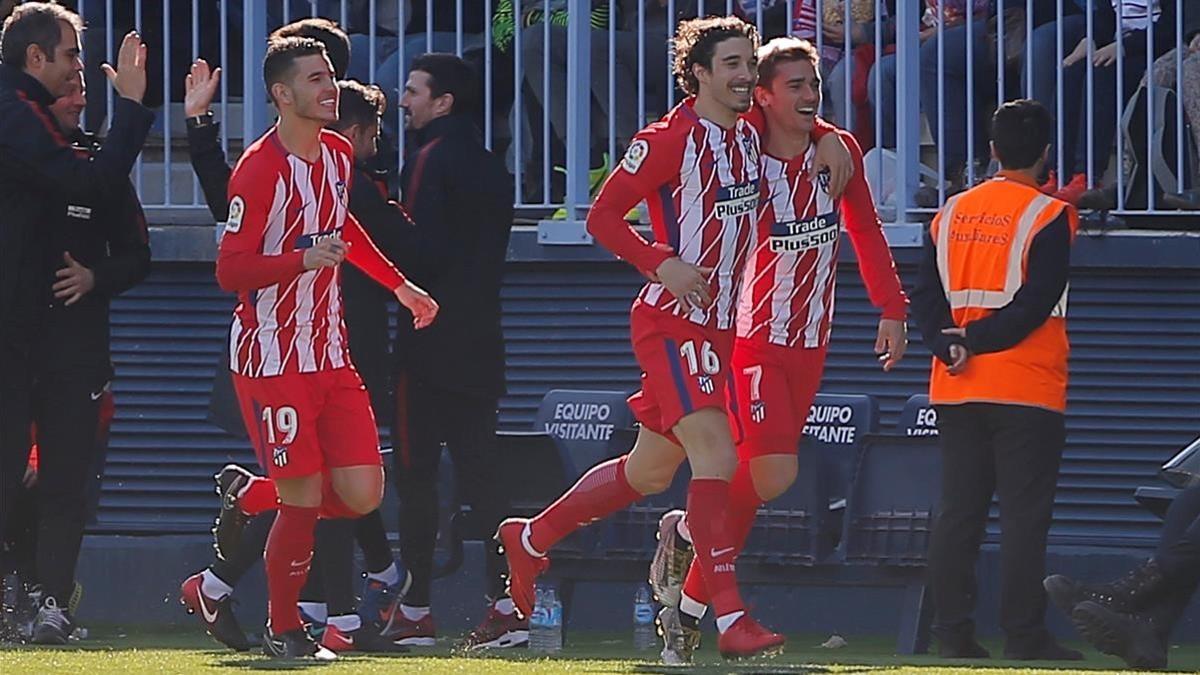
[562, 96]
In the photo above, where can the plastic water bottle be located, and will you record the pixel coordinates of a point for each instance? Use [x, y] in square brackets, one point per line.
[538, 637]
[554, 621]
[644, 634]
[545, 624]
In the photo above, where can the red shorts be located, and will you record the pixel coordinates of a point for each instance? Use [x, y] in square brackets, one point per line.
[304, 423]
[774, 388]
[685, 368]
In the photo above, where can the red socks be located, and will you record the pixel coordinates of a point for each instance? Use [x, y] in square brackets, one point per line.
[258, 496]
[743, 503]
[288, 557]
[601, 491]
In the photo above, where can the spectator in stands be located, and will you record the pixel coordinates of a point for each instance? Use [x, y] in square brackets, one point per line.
[536, 51]
[1134, 26]
[450, 376]
[104, 250]
[999, 383]
[951, 79]
[1186, 86]
[1042, 54]
[40, 174]
[1132, 617]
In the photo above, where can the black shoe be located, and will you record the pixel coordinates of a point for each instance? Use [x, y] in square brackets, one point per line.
[1049, 650]
[1128, 594]
[295, 644]
[227, 529]
[1133, 638]
[966, 648]
[53, 626]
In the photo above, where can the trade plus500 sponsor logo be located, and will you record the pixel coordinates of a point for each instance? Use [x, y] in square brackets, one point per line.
[737, 200]
[802, 235]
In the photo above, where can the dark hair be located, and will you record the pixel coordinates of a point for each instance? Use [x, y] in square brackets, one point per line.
[696, 42]
[1020, 133]
[358, 103]
[449, 74]
[282, 54]
[328, 33]
[34, 23]
[784, 50]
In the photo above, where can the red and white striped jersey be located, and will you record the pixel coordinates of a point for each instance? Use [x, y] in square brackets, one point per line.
[701, 182]
[788, 287]
[288, 319]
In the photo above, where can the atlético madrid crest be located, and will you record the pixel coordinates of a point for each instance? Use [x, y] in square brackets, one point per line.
[758, 411]
[706, 384]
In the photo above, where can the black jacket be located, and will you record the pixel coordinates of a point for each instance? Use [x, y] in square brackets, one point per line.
[365, 303]
[38, 170]
[110, 238]
[460, 196]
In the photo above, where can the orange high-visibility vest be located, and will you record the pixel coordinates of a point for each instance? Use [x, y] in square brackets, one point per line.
[982, 237]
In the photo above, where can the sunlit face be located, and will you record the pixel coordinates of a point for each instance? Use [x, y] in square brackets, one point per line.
[791, 99]
[734, 71]
[418, 102]
[68, 108]
[311, 93]
[57, 75]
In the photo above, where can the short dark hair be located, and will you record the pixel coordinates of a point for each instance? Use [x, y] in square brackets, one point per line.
[34, 23]
[1021, 133]
[783, 50]
[282, 54]
[328, 33]
[449, 74]
[696, 42]
[358, 103]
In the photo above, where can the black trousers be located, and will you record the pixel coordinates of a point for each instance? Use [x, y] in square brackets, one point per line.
[66, 410]
[1014, 452]
[1178, 556]
[428, 417]
[16, 415]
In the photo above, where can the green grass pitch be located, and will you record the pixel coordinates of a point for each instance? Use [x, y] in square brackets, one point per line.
[117, 650]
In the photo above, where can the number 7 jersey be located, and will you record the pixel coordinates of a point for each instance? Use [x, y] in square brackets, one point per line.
[788, 287]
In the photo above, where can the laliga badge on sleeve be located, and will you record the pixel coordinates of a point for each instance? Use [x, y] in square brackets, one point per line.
[237, 210]
[635, 155]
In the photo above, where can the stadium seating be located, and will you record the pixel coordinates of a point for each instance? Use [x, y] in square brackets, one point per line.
[889, 519]
[587, 427]
[918, 418]
[803, 525]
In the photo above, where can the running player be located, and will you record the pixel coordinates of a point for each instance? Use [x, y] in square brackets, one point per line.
[699, 170]
[784, 315]
[304, 404]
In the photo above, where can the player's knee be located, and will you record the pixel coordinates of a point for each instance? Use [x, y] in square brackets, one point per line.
[773, 475]
[650, 485]
[362, 502]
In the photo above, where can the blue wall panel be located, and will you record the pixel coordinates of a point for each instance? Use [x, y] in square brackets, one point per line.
[1135, 389]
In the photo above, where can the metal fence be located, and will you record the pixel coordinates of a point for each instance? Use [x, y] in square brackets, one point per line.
[565, 83]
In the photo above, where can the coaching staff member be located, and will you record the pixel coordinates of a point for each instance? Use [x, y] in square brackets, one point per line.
[991, 303]
[103, 250]
[39, 170]
[451, 375]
